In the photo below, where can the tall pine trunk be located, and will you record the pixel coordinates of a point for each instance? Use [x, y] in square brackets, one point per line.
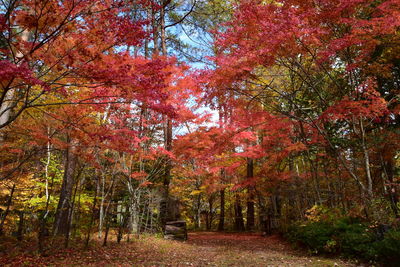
[167, 135]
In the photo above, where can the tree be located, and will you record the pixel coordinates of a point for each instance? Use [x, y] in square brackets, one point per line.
[327, 63]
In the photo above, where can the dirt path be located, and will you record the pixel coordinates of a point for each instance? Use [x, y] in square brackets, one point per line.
[225, 249]
[202, 249]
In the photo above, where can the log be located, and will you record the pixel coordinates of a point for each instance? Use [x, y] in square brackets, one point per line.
[175, 230]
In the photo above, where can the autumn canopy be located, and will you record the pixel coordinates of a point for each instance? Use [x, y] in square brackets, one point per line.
[117, 117]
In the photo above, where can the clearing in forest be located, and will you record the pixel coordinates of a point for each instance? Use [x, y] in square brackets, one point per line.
[201, 249]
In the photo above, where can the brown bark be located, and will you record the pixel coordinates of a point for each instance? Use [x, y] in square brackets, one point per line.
[388, 170]
[4, 217]
[167, 135]
[222, 211]
[63, 218]
[210, 212]
[93, 215]
[250, 223]
[20, 230]
[239, 223]
[250, 198]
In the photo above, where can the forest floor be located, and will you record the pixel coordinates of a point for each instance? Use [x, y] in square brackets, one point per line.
[201, 249]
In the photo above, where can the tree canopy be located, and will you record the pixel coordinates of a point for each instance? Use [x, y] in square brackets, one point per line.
[231, 115]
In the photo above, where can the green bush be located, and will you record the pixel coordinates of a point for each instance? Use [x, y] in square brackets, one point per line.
[389, 248]
[349, 237]
[314, 235]
[354, 238]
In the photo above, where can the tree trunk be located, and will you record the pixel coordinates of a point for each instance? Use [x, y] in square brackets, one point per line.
[101, 208]
[62, 218]
[20, 225]
[4, 217]
[167, 136]
[210, 212]
[122, 222]
[239, 223]
[71, 210]
[106, 233]
[207, 221]
[165, 196]
[197, 219]
[6, 109]
[250, 198]
[250, 213]
[8, 103]
[93, 213]
[366, 162]
[388, 171]
[155, 32]
[108, 221]
[222, 211]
